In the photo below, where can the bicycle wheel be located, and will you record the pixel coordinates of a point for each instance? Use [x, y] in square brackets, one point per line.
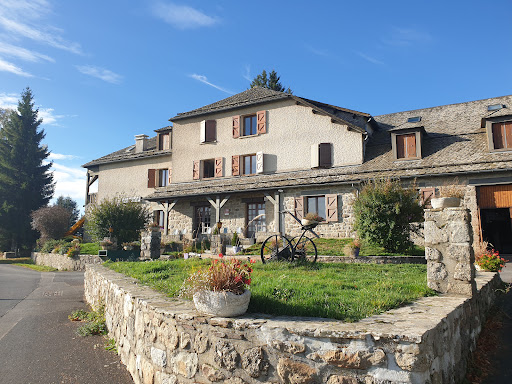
[305, 249]
[276, 247]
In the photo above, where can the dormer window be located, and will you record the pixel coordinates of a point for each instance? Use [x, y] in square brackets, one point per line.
[164, 141]
[502, 135]
[415, 119]
[406, 143]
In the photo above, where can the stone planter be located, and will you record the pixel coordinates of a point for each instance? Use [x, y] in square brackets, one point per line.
[232, 249]
[445, 202]
[306, 222]
[222, 304]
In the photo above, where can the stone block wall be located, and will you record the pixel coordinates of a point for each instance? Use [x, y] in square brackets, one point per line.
[150, 244]
[449, 251]
[63, 262]
[164, 340]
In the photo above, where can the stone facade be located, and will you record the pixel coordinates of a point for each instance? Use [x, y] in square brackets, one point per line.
[164, 340]
[65, 263]
[150, 244]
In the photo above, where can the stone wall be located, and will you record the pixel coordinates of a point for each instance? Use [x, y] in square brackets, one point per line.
[164, 340]
[63, 262]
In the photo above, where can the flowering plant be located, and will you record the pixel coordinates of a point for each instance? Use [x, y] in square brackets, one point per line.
[313, 216]
[490, 260]
[220, 275]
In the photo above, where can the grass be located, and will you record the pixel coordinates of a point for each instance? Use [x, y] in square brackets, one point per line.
[334, 247]
[27, 262]
[94, 322]
[347, 292]
[89, 248]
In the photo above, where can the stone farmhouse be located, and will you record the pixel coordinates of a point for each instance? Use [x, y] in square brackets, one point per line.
[242, 160]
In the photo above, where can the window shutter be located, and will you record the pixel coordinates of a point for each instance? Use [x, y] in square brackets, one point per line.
[235, 165]
[166, 144]
[236, 126]
[210, 130]
[331, 208]
[299, 207]
[202, 134]
[261, 118]
[170, 175]
[411, 145]
[314, 156]
[219, 167]
[508, 134]
[427, 194]
[400, 146]
[259, 162]
[151, 178]
[195, 171]
[325, 156]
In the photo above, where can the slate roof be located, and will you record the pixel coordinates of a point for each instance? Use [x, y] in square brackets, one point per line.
[258, 95]
[454, 144]
[128, 153]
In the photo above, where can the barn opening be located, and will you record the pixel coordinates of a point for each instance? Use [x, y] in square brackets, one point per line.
[495, 209]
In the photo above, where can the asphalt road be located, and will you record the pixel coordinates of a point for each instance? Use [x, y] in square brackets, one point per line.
[38, 343]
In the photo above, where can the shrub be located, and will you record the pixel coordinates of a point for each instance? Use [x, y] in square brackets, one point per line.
[57, 245]
[113, 217]
[234, 239]
[385, 212]
[51, 222]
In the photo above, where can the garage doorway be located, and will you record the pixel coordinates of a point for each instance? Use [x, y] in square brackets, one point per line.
[495, 209]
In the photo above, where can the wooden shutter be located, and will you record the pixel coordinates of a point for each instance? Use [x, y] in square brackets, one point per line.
[151, 178]
[195, 170]
[331, 208]
[219, 169]
[259, 162]
[261, 118]
[210, 130]
[299, 207]
[400, 146]
[236, 126]
[235, 165]
[202, 132]
[427, 194]
[411, 145]
[508, 134]
[324, 155]
[170, 174]
[166, 143]
[495, 196]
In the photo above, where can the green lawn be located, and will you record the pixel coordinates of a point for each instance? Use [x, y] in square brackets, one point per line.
[347, 292]
[27, 262]
[89, 248]
[334, 247]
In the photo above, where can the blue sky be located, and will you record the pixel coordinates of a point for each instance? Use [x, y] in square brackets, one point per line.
[104, 71]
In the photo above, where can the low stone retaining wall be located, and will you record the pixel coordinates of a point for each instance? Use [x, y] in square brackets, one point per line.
[164, 340]
[373, 259]
[65, 263]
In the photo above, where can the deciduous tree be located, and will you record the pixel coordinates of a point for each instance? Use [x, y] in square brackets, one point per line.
[69, 204]
[51, 222]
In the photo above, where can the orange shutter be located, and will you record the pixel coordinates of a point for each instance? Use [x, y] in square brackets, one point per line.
[170, 174]
[235, 165]
[508, 134]
[427, 194]
[498, 136]
[195, 170]
[219, 167]
[151, 178]
[261, 118]
[236, 126]
[299, 207]
[400, 146]
[331, 208]
[411, 145]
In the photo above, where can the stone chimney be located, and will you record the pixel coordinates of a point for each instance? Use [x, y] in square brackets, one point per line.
[141, 143]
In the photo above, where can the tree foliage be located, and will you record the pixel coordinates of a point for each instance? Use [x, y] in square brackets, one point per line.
[51, 222]
[271, 82]
[122, 220]
[385, 214]
[70, 205]
[26, 182]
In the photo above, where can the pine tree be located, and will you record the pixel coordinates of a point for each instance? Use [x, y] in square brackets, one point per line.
[271, 82]
[26, 182]
[69, 204]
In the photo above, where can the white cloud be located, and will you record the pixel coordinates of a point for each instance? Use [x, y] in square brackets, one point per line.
[100, 73]
[22, 53]
[69, 181]
[370, 59]
[182, 16]
[247, 74]
[317, 51]
[204, 79]
[48, 116]
[21, 18]
[59, 156]
[8, 100]
[5, 66]
[404, 37]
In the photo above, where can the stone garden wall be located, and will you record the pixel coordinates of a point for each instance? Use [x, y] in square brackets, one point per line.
[164, 340]
[65, 263]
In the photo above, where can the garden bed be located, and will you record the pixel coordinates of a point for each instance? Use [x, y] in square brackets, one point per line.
[347, 292]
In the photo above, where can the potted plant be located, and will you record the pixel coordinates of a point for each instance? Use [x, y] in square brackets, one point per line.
[352, 248]
[154, 226]
[450, 196]
[488, 259]
[220, 289]
[106, 244]
[312, 218]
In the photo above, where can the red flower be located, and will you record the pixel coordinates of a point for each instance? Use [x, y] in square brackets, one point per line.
[221, 255]
[252, 261]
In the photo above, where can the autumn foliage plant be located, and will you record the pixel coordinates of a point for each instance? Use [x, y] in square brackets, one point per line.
[490, 260]
[220, 276]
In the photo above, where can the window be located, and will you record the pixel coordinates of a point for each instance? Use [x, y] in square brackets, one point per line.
[249, 164]
[502, 135]
[158, 177]
[163, 141]
[315, 204]
[158, 217]
[255, 219]
[202, 220]
[249, 125]
[208, 169]
[208, 131]
[325, 205]
[321, 155]
[163, 177]
[406, 146]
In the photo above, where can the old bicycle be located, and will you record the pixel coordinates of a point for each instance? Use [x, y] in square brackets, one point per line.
[279, 247]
